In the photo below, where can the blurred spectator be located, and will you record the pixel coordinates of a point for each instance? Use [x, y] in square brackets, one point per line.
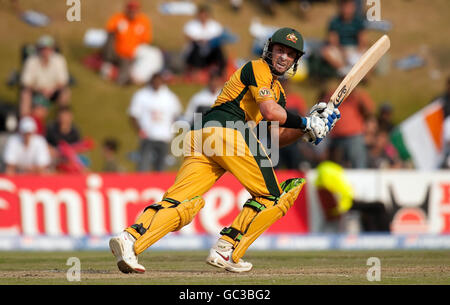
[294, 101]
[346, 40]
[268, 6]
[236, 4]
[291, 156]
[204, 48]
[445, 101]
[385, 120]
[347, 145]
[39, 112]
[370, 132]
[44, 74]
[26, 151]
[66, 143]
[203, 100]
[63, 128]
[126, 32]
[382, 154]
[152, 111]
[110, 148]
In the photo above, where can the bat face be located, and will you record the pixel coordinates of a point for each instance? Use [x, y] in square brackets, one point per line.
[356, 74]
[359, 70]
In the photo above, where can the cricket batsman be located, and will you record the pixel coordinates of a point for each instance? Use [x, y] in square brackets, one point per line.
[252, 93]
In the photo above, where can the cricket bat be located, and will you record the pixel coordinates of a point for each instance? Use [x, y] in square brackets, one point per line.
[359, 70]
[357, 73]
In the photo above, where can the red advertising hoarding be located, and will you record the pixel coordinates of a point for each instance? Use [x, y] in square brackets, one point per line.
[102, 204]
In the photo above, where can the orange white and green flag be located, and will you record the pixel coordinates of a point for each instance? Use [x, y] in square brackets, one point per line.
[420, 137]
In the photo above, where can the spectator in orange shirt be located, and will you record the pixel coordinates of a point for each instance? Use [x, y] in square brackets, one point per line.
[347, 144]
[126, 32]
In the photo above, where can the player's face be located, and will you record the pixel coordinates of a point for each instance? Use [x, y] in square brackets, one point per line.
[282, 57]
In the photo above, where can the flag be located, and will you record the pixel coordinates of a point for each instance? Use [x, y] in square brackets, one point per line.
[420, 137]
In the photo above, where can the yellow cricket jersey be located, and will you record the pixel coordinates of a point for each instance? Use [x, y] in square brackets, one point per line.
[239, 99]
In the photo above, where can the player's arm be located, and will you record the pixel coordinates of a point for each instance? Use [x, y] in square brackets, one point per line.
[317, 124]
[312, 124]
[287, 136]
[272, 111]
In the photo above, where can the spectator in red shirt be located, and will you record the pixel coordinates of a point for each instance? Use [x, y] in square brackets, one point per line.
[290, 156]
[347, 144]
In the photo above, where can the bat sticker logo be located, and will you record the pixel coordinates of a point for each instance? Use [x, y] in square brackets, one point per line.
[341, 95]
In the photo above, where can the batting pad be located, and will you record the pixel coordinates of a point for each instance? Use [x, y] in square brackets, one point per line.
[264, 219]
[168, 219]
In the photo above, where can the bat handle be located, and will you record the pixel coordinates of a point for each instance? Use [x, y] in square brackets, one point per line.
[306, 137]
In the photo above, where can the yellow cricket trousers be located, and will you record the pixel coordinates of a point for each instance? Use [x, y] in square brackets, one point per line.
[210, 152]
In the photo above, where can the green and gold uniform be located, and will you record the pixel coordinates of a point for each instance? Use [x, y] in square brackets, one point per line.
[238, 102]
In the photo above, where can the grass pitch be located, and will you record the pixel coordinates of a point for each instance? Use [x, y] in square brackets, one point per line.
[270, 268]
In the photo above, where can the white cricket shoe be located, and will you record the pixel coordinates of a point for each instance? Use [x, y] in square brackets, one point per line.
[122, 246]
[220, 257]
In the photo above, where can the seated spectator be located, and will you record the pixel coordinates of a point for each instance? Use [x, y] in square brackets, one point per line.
[126, 32]
[347, 144]
[382, 154]
[66, 144]
[63, 129]
[203, 100]
[370, 132]
[110, 148]
[346, 40]
[152, 111]
[385, 120]
[26, 151]
[44, 74]
[39, 112]
[203, 50]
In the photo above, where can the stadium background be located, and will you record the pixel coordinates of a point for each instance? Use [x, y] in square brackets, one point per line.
[418, 28]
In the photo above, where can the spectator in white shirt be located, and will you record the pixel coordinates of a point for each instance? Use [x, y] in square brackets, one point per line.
[204, 49]
[26, 151]
[152, 111]
[203, 100]
[44, 74]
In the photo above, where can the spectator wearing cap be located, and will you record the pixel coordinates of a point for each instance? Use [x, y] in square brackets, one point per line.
[44, 74]
[203, 50]
[26, 151]
[127, 30]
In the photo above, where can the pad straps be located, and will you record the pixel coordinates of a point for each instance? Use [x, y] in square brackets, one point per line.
[232, 233]
[139, 228]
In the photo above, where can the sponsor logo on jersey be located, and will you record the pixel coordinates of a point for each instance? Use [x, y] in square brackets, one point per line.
[265, 92]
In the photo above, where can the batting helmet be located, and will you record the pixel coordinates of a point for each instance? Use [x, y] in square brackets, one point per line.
[287, 37]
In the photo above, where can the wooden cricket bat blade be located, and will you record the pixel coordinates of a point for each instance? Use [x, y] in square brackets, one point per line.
[360, 69]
